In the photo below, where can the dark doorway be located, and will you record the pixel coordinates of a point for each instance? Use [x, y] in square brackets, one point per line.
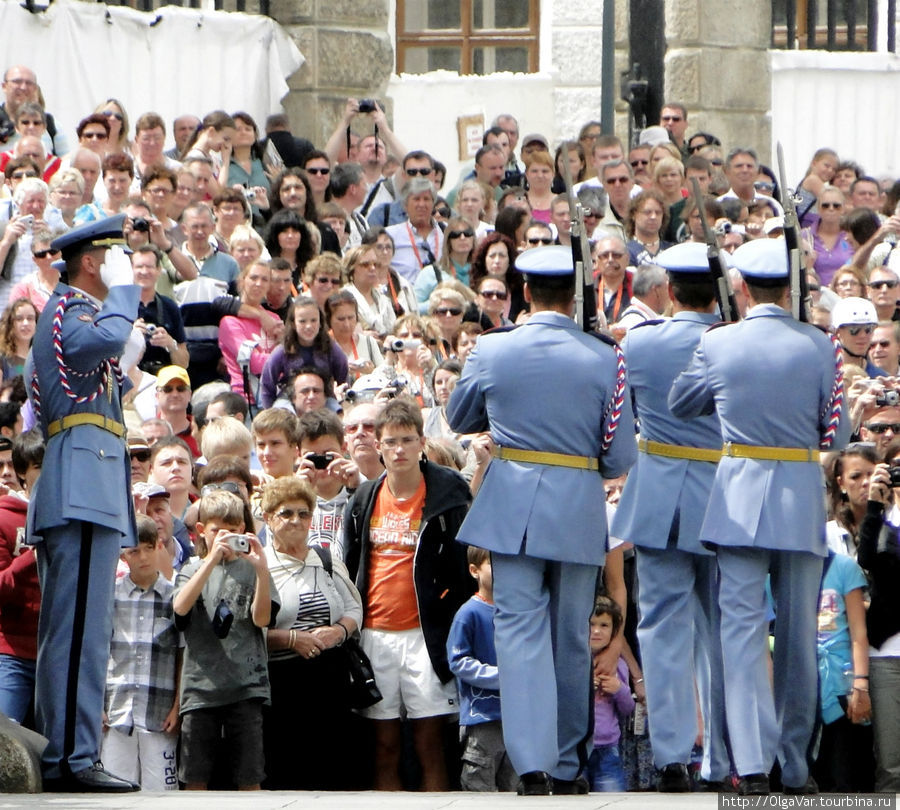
[647, 43]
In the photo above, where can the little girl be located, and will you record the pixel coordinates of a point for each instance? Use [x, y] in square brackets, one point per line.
[612, 702]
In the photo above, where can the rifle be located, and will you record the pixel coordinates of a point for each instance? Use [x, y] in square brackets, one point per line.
[585, 301]
[717, 267]
[799, 281]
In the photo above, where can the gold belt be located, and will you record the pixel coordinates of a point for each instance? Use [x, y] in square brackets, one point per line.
[679, 451]
[75, 419]
[549, 459]
[769, 453]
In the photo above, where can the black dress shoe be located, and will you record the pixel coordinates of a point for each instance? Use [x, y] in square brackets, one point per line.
[534, 783]
[809, 788]
[95, 779]
[754, 784]
[579, 786]
[674, 778]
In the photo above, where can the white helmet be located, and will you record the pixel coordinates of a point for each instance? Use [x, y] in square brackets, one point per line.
[853, 312]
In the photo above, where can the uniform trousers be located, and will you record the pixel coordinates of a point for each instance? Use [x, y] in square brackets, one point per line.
[679, 632]
[541, 632]
[76, 568]
[763, 726]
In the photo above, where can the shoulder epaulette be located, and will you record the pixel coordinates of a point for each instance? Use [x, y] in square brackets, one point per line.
[496, 330]
[651, 322]
[720, 324]
[608, 339]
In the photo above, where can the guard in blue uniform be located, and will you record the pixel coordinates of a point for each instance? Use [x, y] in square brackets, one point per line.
[660, 512]
[776, 385]
[551, 397]
[81, 511]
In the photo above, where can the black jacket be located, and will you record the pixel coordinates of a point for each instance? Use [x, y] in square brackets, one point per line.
[440, 570]
[879, 554]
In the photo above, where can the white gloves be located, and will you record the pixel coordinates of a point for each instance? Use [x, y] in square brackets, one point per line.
[116, 268]
[133, 351]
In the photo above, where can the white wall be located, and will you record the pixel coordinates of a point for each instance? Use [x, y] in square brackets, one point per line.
[846, 101]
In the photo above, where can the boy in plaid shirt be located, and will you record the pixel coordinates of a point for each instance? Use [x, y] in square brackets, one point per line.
[141, 723]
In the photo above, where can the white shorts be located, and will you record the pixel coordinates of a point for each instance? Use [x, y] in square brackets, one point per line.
[405, 676]
[145, 757]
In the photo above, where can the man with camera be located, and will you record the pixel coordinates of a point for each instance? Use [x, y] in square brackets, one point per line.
[158, 316]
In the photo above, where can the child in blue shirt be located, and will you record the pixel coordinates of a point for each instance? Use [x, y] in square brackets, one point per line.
[612, 702]
[473, 660]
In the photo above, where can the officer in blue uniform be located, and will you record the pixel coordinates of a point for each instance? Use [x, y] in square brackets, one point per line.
[774, 383]
[81, 511]
[548, 394]
[660, 512]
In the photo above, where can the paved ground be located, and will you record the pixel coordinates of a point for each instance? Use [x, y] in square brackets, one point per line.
[264, 800]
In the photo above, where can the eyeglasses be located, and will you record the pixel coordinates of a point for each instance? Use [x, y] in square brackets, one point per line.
[761, 186]
[394, 442]
[99, 136]
[500, 295]
[290, 514]
[23, 175]
[168, 389]
[222, 486]
[637, 162]
[356, 427]
[883, 283]
[111, 114]
[866, 330]
[883, 427]
[327, 280]
[826, 205]
[448, 311]
[612, 181]
[313, 170]
[140, 455]
[43, 254]
[540, 240]
[159, 190]
[610, 254]
[675, 118]
[591, 214]
[457, 234]
[424, 172]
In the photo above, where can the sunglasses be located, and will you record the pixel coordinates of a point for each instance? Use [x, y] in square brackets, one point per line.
[424, 172]
[290, 514]
[140, 455]
[43, 254]
[611, 181]
[883, 283]
[610, 254]
[675, 118]
[365, 427]
[458, 234]
[764, 186]
[883, 427]
[98, 136]
[638, 162]
[540, 240]
[311, 170]
[23, 175]
[835, 205]
[327, 280]
[500, 295]
[448, 311]
[168, 389]
[866, 330]
[111, 114]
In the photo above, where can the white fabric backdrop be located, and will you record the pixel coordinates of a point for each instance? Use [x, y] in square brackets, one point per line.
[191, 61]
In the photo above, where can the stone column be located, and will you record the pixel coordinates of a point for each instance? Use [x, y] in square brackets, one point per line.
[348, 54]
[717, 65]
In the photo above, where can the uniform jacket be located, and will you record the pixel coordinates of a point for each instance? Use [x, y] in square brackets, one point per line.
[543, 386]
[657, 487]
[770, 379]
[86, 474]
[440, 570]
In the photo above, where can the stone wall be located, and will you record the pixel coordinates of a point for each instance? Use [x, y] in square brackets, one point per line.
[348, 54]
[717, 65]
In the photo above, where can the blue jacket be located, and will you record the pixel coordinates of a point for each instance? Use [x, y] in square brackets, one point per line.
[543, 386]
[770, 379]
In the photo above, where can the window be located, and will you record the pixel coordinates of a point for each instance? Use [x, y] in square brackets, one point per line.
[467, 36]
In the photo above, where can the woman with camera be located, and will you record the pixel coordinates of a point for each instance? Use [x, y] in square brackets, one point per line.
[409, 359]
[342, 319]
[308, 727]
[879, 555]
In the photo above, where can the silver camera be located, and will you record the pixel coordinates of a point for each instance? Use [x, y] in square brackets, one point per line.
[239, 543]
[400, 345]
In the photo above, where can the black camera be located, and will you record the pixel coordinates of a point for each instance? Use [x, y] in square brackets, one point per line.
[894, 472]
[223, 618]
[140, 224]
[320, 460]
[888, 399]
[367, 105]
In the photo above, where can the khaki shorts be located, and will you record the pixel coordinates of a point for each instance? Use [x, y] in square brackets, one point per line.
[405, 676]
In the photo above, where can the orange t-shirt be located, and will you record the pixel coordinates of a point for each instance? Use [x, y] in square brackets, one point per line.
[393, 536]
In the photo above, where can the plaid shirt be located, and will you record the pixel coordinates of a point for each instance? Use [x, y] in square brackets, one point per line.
[140, 680]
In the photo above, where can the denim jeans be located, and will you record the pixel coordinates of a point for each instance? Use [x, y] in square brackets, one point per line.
[16, 686]
[605, 769]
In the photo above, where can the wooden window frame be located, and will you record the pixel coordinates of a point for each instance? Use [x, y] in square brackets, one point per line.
[467, 38]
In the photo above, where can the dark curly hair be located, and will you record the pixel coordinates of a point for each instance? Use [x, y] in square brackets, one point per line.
[478, 269]
[280, 222]
[309, 207]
